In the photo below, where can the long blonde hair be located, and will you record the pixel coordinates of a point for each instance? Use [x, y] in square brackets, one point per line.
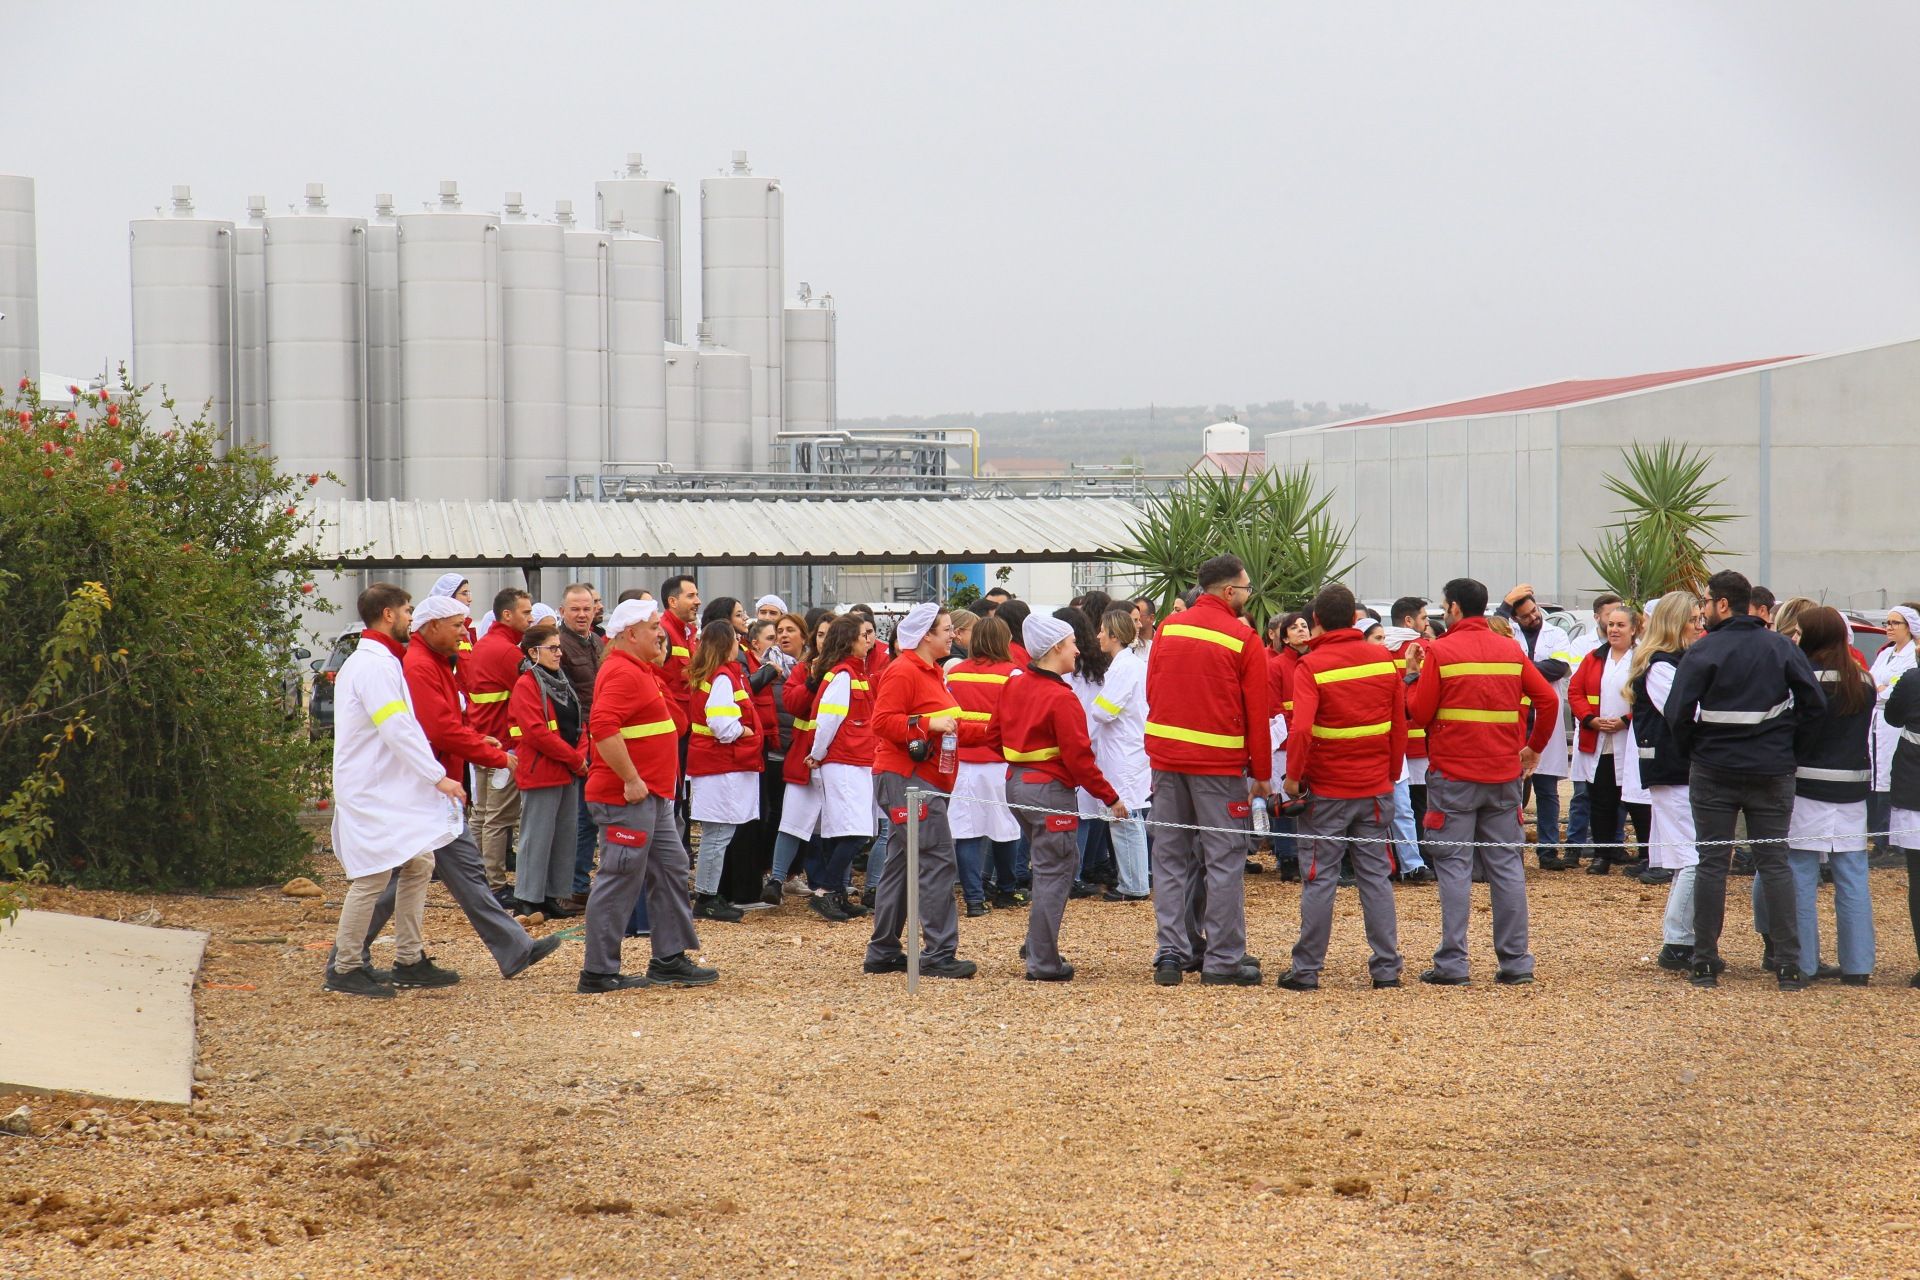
[1786, 618]
[1666, 630]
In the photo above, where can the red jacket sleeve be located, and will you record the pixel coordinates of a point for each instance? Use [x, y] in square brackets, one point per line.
[1256, 707]
[527, 712]
[1399, 731]
[1584, 704]
[890, 708]
[1426, 693]
[1306, 706]
[1546, 705]
[796, 695]
[446, 732]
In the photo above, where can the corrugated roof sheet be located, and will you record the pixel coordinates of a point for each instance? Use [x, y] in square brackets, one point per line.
[854, 530]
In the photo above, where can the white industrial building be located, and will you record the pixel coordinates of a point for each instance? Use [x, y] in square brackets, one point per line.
[1816, 454]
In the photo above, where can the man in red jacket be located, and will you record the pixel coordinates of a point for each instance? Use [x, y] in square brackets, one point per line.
[1208, 742]
[1041, 730]
[492, 669]
[428, 665]
[1468, 699]
[636, 726]
[1347, 745]
[912, 710]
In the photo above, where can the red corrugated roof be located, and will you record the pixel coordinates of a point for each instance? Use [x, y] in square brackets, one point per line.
[1554, 394]
[1232, 462]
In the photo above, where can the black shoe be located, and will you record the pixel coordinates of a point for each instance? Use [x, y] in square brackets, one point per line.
[1245, 976]
[357, 982]
[1742, 863]
[596, 984]
[1081, 889]
[1855, 979]
[954, 968]
[772, 891]
[1114, 895]
[711, 906]
[1914, 981]
[384, 976]
[1767, 961]
[1791, 979]
[542, 948]
[1826, 873]
[1294, 982]
[1513, 979]
[854, 908]
[506, 897]
[679, 971]
[1599, 867]
[1636, 868]
[1419, 875]
[827, 907]
[1386, 984]
[1171, 974]
[1703, 974]
[1347, 880]
[1435, 978]
[1008, 899]
[554, 909]
[1824, 973]
[1656, 875]
[1065, 974]
[976, 909]
[521, 907]
[896, 964]
[423, 973]
[1290, 870]
[1675, 958]
[1550, 863]
[1255, 868]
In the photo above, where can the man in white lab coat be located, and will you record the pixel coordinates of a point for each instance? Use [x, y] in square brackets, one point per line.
[393, 803]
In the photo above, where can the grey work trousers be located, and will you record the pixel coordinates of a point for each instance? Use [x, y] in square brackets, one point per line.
[456, 864]
[547, 838]
[1054, 855]
[940, 918]
[1367, 818]
[1478, 811]
[640, 852]
[1199, 877]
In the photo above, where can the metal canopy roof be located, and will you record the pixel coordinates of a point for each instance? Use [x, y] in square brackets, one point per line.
[718, 531]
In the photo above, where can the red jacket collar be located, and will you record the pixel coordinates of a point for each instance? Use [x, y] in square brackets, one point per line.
[394, 647]
[1217, 604]
[1338, 636]
[1469, 624]
[506, 630]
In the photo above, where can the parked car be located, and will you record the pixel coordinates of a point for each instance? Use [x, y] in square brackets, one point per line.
[320, 704]
[1869, 636]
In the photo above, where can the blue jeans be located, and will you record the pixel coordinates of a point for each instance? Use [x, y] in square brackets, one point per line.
[714, 839]
[586, 838]
[1852, 909]
[971, 855]
[1130, 853]
[1546, 812]
[1096, 847]
[1579, 818]
[1406, 836]
[786, 846]
[877, 855]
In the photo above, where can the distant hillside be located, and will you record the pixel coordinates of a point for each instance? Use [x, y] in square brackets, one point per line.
[1164, 438]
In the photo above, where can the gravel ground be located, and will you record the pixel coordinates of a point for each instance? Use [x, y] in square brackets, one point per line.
[801, 1118]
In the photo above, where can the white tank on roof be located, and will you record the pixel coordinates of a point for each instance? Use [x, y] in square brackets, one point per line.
[809, 367]
[182, 271]
[648, 207]
[316, 288]
[1226, 437]
[742, 289]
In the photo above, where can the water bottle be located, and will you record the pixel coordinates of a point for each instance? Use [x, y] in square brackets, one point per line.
[949, 752]
[1261, 825]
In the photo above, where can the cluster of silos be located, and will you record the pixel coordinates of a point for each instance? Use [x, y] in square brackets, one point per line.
[19, 284]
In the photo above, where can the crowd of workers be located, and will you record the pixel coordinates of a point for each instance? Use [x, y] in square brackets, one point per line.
[1101, 750]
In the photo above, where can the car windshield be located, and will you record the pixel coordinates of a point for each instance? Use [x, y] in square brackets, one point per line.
[344, 645]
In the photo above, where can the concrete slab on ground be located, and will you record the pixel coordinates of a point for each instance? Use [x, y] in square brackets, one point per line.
[98, 1007]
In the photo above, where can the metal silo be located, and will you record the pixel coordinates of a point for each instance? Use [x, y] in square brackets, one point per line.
[742, 294]
[649, 207]
[585, 265]
[636, 348]
[726, 407]
[250, 326]
[683, 407]
[533, 331]
[316, 265]
[451, 424]
[182, 269]
[809, 370]
[383, 351]
[19, 284]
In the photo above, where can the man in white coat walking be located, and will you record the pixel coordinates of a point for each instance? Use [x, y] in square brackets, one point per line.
[393, 803]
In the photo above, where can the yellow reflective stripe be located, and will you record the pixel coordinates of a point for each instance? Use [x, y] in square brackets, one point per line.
[1525, 701]
[554, 725]
[1287, 705]
[975, 715]
[950, 711]
[703, 731]
[1202, 633]
[1475, 716]
[1028, 757]
[501, 696]
[513, 731]
[861, 685]
[466, 647]
[1416, 733]
[1352, 731]
[1561, 655]
[1399, 664]
[652, 729]
[974, 677]
[1111, 708]
[806, 725]
[1450, 669]
[677, 651]
[732, 712]
[833, 708]
[1199, 737]
[1360, 672]
[739, 695]
[388, 712]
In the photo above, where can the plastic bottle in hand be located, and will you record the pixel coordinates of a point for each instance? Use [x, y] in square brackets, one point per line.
[949, 752]
[1262, 826]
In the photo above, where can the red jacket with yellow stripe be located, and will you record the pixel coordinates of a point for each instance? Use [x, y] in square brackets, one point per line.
[706, 754]
[492, 669]
[910, 687]
[677, 639]
[977, 687]
[629, 704]
[1468, 700]
[1207, 702]
[546, 759]
[1583, 696]
[1350, 718]
[1041, 729]
[797, 696]
[436, 705]
[1280, 669]
[1416, 736]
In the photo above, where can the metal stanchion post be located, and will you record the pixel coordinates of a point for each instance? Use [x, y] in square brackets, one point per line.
[913, 889]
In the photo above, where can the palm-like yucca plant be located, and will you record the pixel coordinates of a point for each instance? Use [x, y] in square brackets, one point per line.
[1270, 519]
[1668, 524]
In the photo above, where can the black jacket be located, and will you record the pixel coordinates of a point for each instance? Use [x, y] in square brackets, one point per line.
[1831, 751]
[1661, 762]
[1740, 693]
[1903, 711]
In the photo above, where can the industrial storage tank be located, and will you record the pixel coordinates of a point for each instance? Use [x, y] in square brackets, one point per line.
[1225, 437]
[182, 268]
[383, 351]
[742, 289]
[250, 326]
[451, 425]
[636, 348]
[726, 407]
[534, 345]
[19, 284]
[683, 408]
[648, 207]
[585, 325]
[316, 271]
[809, 369]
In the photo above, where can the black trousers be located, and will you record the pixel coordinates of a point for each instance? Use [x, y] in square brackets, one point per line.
[1720, 797]
[1607, 810]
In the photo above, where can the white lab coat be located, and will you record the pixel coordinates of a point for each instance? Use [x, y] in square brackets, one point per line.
[1888, 667]
[1552, 642]
[1619, 744]
[846, 801]
[386, 806]
[1118, 719]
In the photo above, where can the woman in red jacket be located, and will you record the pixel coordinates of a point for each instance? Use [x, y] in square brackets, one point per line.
[548, 735]
[724, 759]
[840, 757]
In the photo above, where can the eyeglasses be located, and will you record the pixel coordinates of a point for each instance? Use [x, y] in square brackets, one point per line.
[548, 648]
[1244, 588]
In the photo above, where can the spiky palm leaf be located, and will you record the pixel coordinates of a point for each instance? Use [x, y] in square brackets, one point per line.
[1669, 522]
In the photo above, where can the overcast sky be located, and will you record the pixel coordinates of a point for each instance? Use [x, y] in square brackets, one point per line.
[1024, 206]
